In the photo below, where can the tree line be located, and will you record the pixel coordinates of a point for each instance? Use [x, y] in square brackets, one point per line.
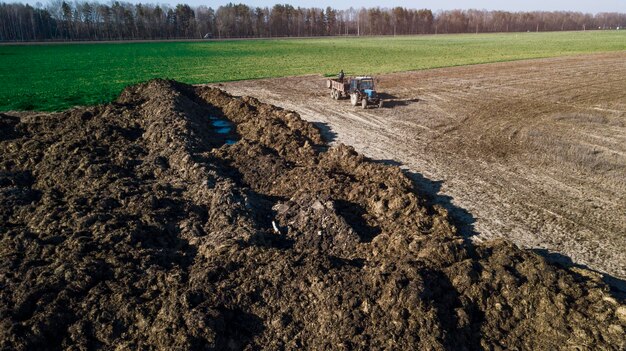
[84, 20]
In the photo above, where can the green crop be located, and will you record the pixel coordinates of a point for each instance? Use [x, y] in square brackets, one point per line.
[57, 76]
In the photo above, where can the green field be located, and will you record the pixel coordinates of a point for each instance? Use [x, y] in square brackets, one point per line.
[58, 76]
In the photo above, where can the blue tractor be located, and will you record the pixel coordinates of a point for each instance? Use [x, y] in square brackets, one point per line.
[362, 92]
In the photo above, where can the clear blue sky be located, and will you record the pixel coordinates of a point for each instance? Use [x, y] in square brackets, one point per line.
[592, 6]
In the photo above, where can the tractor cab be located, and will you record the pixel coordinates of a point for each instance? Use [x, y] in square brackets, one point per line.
[364, 86]
[361, 84]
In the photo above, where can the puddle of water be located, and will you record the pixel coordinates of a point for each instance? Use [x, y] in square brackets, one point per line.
[222, 126]
[220, 123]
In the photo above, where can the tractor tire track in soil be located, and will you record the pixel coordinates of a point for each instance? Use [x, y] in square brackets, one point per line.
[181, 217]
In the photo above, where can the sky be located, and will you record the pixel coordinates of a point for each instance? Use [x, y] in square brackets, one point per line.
[591, 6]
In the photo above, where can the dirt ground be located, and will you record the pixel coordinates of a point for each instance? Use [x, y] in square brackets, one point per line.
[532, 151]
[182, 218]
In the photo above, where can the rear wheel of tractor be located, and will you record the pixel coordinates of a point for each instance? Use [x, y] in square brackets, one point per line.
[381, 104]
[354, 100]
[364, 103]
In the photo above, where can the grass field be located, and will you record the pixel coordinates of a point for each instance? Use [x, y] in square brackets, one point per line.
[58, 76]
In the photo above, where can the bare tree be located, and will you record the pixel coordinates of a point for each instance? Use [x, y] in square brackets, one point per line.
[84, 20]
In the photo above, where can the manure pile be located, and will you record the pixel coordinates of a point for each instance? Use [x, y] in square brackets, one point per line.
[181, 217]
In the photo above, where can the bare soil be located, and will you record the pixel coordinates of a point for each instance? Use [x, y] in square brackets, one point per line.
[146, 224]
[531, 151]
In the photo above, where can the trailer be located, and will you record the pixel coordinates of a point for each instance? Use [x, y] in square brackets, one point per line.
[338, 88]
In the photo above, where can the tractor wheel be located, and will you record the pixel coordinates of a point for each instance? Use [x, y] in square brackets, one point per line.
[364, 103]
[336, 95]
[332, 93]
[354, 100]
[381, 103]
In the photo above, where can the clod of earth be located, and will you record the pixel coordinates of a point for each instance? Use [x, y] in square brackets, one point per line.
[141, 225]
